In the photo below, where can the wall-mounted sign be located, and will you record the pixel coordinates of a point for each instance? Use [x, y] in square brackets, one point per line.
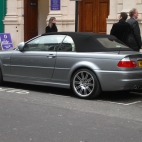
[5, 41]
[55, 4]
[33, 4]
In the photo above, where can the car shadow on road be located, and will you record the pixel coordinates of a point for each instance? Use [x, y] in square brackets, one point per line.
[40, 89]
[121, 96]
[118, 96]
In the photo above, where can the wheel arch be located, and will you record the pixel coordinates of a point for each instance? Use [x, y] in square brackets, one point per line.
[83, 67]
[92, 92]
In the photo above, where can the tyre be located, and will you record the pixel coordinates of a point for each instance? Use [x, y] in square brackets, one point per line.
[85, 84]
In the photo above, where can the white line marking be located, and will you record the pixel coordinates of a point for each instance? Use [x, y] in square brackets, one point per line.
[121, 103]
[1, 89]
[23, 92]
[133, 103]
[13, 90]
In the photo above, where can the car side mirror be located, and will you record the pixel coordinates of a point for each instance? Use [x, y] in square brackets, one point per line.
[21, 45]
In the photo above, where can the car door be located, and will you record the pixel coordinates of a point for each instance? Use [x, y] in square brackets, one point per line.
[66, 57]
[37, 59]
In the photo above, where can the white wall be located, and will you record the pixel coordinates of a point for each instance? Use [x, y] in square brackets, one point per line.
[65, 16]
[14, 21]
[117, 6]
[43, 10]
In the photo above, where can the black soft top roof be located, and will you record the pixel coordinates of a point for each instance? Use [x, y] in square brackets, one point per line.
[86, 41]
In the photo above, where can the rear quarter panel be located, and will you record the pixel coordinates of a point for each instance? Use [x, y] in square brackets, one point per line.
[68, 62]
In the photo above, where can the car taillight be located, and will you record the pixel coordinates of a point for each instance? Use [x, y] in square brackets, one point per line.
[126, 63]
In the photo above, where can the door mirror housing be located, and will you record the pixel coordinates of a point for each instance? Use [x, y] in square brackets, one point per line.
[21, 46]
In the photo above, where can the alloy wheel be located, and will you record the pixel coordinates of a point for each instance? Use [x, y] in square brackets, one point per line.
[83, 83]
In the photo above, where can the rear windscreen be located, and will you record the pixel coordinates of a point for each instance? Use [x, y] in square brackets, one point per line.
[111, 43]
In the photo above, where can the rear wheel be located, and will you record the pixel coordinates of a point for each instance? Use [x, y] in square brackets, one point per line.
[85, 84]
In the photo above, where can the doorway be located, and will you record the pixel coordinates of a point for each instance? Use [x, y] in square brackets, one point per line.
[30, 19]
[92, 15]
[35, 16]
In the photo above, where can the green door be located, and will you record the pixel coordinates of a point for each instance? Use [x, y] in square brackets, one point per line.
[2, 14]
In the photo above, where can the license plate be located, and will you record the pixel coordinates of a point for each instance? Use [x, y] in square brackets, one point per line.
[140, 63]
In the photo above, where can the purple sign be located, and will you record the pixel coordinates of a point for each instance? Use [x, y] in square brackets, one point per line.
[6, 42]
[55, 4]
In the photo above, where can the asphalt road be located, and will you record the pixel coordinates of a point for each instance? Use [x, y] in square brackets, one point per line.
[31, 113]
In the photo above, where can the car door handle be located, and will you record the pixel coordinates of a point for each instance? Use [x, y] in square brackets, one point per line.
[51, 56]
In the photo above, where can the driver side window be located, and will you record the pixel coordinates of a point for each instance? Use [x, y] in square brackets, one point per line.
[44, 43]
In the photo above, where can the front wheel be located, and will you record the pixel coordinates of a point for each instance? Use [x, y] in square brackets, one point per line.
[85, 84]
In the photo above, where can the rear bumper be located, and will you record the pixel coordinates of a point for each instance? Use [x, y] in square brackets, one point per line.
[119, 80]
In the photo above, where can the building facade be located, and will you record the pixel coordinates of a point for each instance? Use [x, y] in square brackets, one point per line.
[28, 18]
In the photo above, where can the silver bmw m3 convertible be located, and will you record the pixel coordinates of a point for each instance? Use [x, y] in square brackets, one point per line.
[87, 63]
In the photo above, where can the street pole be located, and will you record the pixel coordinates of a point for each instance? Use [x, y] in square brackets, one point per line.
[76, 16]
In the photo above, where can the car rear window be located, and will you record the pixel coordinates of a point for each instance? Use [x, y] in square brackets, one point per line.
[111, 43]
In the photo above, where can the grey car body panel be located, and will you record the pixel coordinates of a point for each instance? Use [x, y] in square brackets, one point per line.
[25, 68]
[104, 65]
[68, 62]
[5, 58]
[56, 68]
[119, 80]
[33, 65]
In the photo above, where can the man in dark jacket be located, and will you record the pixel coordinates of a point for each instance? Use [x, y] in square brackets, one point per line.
[134, 39]
[122, 29]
